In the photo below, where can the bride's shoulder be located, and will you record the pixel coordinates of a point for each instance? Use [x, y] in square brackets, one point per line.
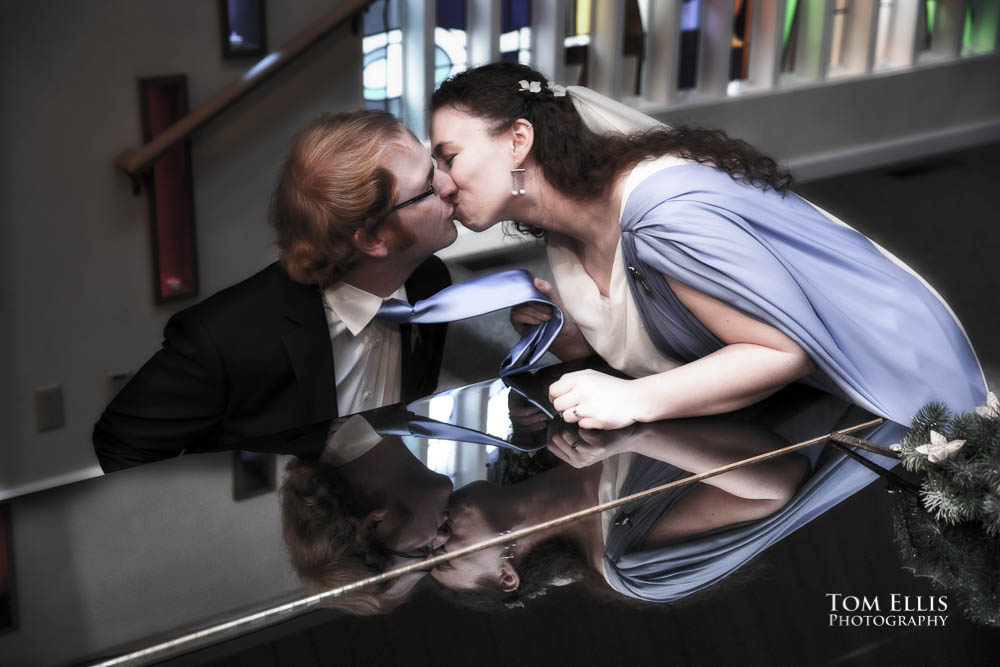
[646, 168]
[652, 170]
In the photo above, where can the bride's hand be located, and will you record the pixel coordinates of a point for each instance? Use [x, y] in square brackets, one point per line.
[570, 343]
[583, 447]
[592, 399]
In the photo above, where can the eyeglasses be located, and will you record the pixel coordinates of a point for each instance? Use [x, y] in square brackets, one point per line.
[413, 200]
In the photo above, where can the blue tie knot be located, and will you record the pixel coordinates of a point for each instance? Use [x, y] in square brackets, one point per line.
[478, 296]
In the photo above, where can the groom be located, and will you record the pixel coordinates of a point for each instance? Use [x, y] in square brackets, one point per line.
[359, 210]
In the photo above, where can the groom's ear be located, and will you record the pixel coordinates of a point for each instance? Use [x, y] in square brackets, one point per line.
[370, 241]
[522, 138]
[364, 527]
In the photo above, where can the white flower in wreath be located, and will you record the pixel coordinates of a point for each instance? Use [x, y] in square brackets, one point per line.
[992, 408]
[557, 90]
[939, 448]
[532, 87]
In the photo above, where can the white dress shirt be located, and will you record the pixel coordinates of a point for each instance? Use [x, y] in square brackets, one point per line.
[367, 353]
[367, 363]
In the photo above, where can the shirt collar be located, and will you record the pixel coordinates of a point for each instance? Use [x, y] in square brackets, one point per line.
[355, 307]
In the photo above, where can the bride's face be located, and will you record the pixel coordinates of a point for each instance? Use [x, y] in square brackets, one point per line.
[469, 525]
[479, 163]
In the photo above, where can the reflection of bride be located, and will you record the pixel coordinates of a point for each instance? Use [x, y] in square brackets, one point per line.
[595, 547]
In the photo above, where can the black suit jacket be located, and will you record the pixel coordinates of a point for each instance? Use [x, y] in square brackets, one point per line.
[251, 360]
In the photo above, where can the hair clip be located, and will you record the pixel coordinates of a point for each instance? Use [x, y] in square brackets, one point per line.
[532, 87]
[557, 90]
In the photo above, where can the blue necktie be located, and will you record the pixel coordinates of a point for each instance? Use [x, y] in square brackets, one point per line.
[485, 295]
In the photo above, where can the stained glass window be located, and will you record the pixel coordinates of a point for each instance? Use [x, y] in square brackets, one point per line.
[244, 30]
[740, 47]
[980, 32]
[578, 21]
[515, 31]
[838, 36]
[884, 33]
[577, 40]
[633, 48]
[789, 36]
[925, 26]
[382, 48]
[450, 45]
[687, 75]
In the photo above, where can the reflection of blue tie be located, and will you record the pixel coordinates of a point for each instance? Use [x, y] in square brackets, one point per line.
[485, 295]
[397, 422]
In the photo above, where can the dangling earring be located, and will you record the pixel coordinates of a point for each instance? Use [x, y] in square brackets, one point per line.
[508, 549]
[517, 181]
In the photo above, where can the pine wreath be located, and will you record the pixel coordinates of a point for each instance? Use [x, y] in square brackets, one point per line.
[947, 528]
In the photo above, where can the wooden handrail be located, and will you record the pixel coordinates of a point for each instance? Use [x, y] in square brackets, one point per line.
[134, 160]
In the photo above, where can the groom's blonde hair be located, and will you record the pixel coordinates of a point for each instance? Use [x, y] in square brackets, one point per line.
[331, 185]
[319, 516]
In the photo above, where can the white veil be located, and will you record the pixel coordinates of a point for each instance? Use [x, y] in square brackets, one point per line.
[602, 114]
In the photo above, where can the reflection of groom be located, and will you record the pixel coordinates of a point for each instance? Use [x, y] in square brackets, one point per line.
[359, 209]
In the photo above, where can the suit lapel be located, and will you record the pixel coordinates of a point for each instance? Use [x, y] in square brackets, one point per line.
[414, 357]
[422, 343]
[309, 352]
[409, 338]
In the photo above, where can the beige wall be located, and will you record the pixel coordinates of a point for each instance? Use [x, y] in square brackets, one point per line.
[75, 263]
[76, 306]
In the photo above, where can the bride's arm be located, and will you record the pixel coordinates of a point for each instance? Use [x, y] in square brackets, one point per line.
[756, 361]
[695, 445]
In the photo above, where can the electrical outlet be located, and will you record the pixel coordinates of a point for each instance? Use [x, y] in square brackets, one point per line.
[49, 408]
[115, 383]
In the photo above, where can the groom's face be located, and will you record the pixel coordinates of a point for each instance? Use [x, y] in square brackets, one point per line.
[422, 227]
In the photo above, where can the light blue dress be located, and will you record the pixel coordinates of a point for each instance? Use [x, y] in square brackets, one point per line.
[667, 573]
[875, 330]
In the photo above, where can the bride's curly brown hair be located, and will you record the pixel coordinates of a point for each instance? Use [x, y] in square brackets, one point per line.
[580, 163]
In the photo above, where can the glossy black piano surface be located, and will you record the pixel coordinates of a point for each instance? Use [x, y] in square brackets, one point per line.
[738, 568]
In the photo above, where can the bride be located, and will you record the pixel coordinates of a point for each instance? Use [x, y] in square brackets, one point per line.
[684, 260]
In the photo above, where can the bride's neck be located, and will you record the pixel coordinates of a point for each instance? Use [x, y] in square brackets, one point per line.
[593, 223]
[551, 494]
